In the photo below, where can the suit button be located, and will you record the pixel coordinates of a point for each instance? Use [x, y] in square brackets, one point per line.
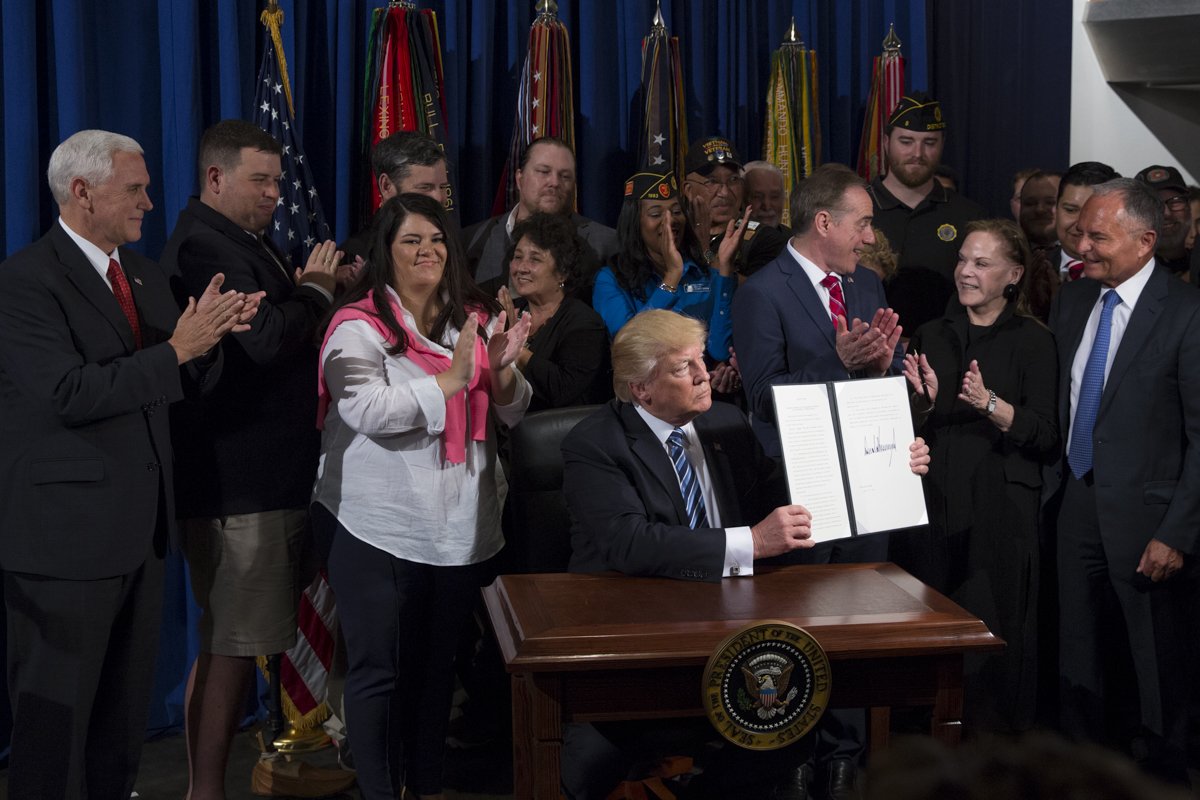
[151, 466]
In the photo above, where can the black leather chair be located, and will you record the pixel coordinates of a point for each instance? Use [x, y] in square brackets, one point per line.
[537, 525]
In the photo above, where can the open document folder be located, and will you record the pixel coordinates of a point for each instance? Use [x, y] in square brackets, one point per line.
[845, 448]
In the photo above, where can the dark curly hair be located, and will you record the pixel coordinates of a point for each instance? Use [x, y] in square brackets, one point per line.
[633, 268]
[555, 233]
[456, 285]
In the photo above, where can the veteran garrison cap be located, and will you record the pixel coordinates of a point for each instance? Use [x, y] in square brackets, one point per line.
[1159, 177]
[706, 155]
[918, 112]
[652, 186]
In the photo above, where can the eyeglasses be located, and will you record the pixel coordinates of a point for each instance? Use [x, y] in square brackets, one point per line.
[732, 183]
[1177, 203]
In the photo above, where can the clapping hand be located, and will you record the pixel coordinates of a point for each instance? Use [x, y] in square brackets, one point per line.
[504, 345]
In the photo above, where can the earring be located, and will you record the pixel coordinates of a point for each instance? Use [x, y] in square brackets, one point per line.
[1010, 292]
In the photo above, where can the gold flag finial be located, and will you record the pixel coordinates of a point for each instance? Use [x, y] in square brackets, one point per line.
[791, 38]
[658, 17]
[891, 44]
[546, 8]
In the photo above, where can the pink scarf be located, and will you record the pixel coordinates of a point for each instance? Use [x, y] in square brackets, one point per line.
[477, 393]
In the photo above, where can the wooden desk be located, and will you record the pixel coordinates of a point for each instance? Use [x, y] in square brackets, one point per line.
[587, 648]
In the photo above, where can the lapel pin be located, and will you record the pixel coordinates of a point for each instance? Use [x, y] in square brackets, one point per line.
[138, 281]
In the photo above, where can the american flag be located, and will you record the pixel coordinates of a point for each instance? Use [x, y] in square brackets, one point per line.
[299, 223]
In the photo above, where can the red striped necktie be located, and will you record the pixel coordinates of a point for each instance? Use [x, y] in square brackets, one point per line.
[120, 288]
[837, 302]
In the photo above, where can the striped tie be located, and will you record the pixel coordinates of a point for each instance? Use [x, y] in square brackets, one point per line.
[693, 500]
[837, 303]
[1079, 457]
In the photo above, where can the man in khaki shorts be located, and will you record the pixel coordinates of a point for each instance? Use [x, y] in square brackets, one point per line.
[248, 452]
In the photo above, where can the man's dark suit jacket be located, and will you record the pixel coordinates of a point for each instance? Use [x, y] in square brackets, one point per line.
[252, 444]
[1146, 442]
[626, 506]
[782, 334]
[85, 446]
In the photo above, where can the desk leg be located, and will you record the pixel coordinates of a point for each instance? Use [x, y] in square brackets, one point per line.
[537, 736]
[879, 729]
[948, 703]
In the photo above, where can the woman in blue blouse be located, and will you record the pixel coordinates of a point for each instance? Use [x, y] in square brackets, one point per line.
[659, 266]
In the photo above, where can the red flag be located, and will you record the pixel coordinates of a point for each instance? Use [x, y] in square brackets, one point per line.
[545, 103]
[887, 87]
[405, 87]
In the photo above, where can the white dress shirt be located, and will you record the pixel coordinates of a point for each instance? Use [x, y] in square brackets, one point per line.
[739, 544]
[97, 257]
[1129, 291]
[816, 275]
[383, 470]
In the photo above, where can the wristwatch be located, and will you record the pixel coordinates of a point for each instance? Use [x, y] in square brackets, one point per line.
[667, 288]
[991, 404]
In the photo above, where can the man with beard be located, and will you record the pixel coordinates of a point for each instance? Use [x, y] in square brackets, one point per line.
[545, 182]
[922, 219]
[715, 188]
[1169, 185]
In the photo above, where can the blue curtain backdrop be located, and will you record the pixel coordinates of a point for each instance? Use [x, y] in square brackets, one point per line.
[163, 70]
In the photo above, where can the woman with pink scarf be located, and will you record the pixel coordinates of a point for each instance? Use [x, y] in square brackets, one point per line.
[416, 369]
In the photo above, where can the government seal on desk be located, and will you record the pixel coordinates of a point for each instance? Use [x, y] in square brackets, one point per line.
[767, 685]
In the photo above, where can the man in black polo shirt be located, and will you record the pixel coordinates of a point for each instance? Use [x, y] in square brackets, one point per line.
[924, 221]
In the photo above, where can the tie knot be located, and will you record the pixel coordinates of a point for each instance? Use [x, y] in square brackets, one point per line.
[1111, 298]
[676, 438]
[830, 281]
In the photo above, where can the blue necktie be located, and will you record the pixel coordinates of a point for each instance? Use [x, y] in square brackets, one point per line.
[693, 500]
[1090, 389]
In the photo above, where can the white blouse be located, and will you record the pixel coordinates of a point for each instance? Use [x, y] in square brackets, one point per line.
[383, 471]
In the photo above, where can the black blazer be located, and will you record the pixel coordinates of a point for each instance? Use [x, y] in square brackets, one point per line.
[626, 508]
[570, 365]
[85, 446]
[252, 444]
[1146, 443]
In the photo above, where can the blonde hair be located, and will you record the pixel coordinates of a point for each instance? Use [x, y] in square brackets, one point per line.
[879, 256]
[644, 341]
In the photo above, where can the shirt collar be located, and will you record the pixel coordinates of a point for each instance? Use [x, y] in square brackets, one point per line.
[97, 257]
[662, 429]
[1131, 288]
[814, 273]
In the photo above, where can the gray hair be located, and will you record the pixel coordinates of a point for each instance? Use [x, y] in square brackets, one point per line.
[824, 190]
[396, 155]
[87, 155]
[766, 166]
[1142, 207]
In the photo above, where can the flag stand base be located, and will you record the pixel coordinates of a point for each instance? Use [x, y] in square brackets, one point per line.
[294, 741]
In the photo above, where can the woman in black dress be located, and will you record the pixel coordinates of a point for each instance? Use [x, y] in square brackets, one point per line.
[984, 381]
[566, 358]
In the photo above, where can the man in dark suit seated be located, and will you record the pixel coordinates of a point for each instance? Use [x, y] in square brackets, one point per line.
[93, 349]
[662, 481]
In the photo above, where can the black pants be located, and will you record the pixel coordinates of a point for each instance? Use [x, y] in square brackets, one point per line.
[401, 621]
[80, 669]
[1123, 678]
